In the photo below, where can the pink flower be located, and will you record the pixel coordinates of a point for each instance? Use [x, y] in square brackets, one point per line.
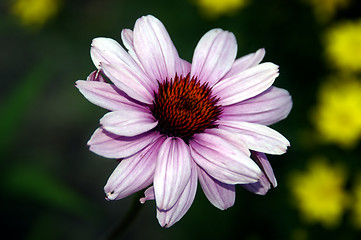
[172, 123]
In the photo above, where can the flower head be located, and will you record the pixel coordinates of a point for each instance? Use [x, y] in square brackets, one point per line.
[319, 192]
[337, 117]
[173, 123]
[343, 46]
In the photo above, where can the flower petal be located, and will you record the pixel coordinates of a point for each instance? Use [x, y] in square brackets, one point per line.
[246, 62]
[257, 137]
[96, 76]
[261, 187]
[106, 95]
[172, 172]
[223, 158]
[214, 56]
[122, 70]
[221, 195]
[129, 122]
[148, 195]
[262, 161]
[247, 84]
[266, 108]
[155, 49]
[134, 173]
[110, 145]
[169, 217]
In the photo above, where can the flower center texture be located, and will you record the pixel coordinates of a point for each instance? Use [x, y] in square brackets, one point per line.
[184, 107]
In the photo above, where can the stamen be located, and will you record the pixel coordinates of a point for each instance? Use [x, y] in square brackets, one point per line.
[184, 107]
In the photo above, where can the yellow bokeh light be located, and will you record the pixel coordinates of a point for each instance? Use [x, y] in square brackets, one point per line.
[337, 117]
[216, 8]
[319, 192]
[343, 46]
[35, 12]
[325, 10]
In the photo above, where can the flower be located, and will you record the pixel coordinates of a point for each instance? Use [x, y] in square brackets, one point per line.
[35, 12]
[216, 8]
[319, 192]
[172, 123]
[343, 46]
[337, 116]
[325, 10]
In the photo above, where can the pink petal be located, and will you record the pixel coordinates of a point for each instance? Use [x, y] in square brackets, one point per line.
[221, 195]
[134, 173]
[148, 195]
[122, 70]
[247, 84]
[106, 95]
[257, 137]
[266, 108]
[155, 49]
[261, 187]
[169, 217]
[223, 158]
[214, 56]
[172, 172]
[128, 122]
[127, 38]
[246, 62]
[110, 145]
[96, 76]
[262, 161]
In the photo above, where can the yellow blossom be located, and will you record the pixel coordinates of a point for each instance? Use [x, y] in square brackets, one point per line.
[216, 8]
[343, 45]
[35, 12]
[319, 192]
[324, 10]
[337, 117]
[356, 206]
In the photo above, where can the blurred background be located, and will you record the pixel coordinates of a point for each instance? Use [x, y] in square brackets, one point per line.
[52, 185]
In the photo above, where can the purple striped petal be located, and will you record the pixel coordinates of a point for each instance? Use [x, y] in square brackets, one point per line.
[261, 187]
[172, 172]
[223, 158]
[257, 137]
[122, 70]
[169, 217]
[262, 161]
[106, 95]
[266, 108]
[128, 122]
[246, 62]
[110, 145]
[247, 84]
[134, 173]
[221, 195]
[214, 55]
[155, 49]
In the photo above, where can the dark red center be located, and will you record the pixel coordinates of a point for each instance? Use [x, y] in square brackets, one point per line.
[184, 107]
